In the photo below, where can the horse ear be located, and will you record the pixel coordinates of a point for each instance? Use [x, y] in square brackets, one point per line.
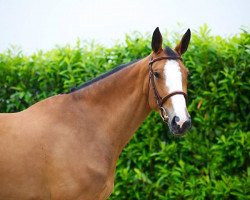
[156, 40]
[181, 48]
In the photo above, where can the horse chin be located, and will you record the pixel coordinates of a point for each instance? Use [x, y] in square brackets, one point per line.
[177, 133]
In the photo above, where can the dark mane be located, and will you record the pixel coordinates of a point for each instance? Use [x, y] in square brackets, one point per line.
[170, 52]
[116, 69]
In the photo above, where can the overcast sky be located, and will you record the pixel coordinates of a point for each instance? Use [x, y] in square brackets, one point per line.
[33, 24]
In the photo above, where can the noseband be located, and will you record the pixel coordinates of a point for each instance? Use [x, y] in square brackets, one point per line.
[161, 100]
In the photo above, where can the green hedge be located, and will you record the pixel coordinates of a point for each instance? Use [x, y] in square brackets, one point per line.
[210, 162]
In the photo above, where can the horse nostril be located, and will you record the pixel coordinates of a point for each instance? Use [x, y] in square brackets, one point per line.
[177, 124]
[187, 124]
[175, 120]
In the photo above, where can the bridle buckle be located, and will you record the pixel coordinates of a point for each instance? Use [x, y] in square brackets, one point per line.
[163, 113]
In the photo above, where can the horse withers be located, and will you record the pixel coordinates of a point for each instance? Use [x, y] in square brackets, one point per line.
[66, 146]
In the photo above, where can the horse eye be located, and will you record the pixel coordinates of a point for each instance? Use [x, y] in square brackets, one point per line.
[156, 74]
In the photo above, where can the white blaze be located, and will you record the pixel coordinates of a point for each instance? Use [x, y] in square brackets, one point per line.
[173, 79]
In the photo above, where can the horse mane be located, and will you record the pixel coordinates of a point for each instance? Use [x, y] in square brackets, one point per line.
[102, 76]
[170, 52]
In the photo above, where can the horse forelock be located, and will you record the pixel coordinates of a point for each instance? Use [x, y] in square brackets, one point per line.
[170, 52]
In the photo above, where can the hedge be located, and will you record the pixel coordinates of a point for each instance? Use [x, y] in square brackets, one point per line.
[210, 162]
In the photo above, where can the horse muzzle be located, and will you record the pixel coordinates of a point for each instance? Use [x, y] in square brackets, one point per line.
[178, 127]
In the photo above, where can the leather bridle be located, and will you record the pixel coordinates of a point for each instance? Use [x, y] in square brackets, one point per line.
[159, 100]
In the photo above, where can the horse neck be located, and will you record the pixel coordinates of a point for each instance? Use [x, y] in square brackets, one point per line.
[118, 104]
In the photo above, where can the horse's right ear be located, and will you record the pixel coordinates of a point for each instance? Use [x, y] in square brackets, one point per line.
[156, 41]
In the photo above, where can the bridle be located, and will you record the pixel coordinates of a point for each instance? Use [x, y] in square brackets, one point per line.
[159, 100]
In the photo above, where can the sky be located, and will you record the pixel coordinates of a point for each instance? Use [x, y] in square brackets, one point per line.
[42, 24]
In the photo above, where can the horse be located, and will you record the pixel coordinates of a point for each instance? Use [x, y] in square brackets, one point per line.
[67, 146]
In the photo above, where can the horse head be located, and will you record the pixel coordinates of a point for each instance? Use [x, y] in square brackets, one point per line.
[168, 83]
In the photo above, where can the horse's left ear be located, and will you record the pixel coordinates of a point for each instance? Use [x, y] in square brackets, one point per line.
[181, 48]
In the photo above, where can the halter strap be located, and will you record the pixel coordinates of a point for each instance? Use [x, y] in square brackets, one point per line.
[159, 100]
[164, 58]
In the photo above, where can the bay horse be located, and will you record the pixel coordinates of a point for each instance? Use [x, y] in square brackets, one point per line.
[66, 146]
